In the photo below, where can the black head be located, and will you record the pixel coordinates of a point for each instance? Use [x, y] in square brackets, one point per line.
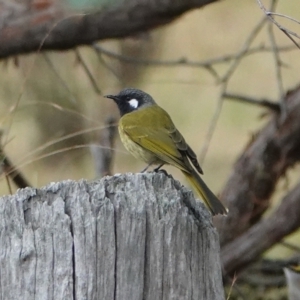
[130, 99]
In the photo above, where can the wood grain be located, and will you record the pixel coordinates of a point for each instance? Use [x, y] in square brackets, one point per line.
[131, 236]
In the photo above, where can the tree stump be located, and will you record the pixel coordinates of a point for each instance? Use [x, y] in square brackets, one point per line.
[131, 236]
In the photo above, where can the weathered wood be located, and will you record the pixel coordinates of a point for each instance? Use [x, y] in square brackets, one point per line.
[140, 236]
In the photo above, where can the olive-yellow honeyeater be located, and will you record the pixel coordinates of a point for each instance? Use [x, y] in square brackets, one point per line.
[149, 134]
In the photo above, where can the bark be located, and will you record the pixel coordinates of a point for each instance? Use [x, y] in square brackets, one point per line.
[26, 29]
[129, 236]
[252, 183]
[263, 235]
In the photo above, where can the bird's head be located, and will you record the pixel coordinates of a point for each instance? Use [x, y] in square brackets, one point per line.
[130, 99]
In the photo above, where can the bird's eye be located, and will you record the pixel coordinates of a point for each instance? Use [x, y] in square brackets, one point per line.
[133, 103]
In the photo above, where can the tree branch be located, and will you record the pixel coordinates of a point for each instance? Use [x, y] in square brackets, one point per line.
[264, 234]
[260, 102]
[55, 30]
[248, 191]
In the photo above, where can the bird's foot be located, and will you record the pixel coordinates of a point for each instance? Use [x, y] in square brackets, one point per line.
[157, 169]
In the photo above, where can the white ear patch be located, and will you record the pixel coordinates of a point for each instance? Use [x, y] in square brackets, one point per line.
[133, 103]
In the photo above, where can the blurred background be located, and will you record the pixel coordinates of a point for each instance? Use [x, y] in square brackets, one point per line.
[50, 113]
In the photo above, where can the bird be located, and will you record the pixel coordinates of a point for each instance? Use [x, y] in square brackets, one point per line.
[149, 134]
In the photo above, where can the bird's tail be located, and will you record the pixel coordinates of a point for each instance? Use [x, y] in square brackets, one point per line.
[213, 203]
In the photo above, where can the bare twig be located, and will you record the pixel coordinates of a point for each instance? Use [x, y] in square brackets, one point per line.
[244, 50]
[165, 63]
[8, 184]
[260, 102]
[62, 109]
[55, 152]
[290, 246]
[184, 61]
[277, 62]
[287, 32]
[57, 140]
[284, 16]
[224, 81]
[107, 65]
[26, 160]
[11, 171]
[233, 66]
[63, 83]
[233, 282]
[207, 65]
[213, 124]
[88, 72]
[30, 69]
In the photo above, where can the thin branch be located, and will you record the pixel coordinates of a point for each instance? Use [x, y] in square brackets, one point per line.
[29, 70]
[244, 50]
[184, 61]
[225, 80]
[284, 16]
[146, 62]
[108, 66]
[260, 102]
[11, 171]
[287, 32]
[55, 152]
[290, 246]
[207, 65]
[88, 72]
[60, 108]
[277, 62]
[213, 123]
[63, 83]
[26, 160]
[213, 72]
[57, 140]
[8, 184]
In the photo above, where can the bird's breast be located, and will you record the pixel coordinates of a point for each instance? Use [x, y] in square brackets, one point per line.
[136, 150]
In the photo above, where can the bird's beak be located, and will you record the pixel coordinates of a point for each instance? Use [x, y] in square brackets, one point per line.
[114, 97]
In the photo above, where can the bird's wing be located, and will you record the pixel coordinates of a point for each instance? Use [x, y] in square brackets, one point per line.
[184, 148]
[159, 136]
